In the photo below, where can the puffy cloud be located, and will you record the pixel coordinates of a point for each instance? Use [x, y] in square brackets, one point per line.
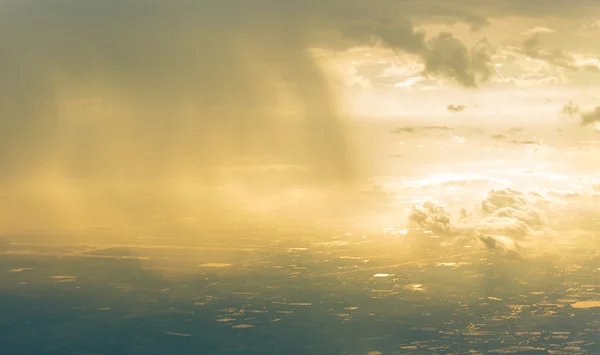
[499, 198]
[507, 216]
[504, 227]
[433, 216]
[515, 205]
[449, 57]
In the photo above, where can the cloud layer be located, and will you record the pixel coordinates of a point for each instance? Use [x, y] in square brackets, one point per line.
[100, 98]
[505, 216]
[148, 88]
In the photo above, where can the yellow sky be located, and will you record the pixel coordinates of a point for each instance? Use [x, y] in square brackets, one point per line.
[105, 102]
[561, 65]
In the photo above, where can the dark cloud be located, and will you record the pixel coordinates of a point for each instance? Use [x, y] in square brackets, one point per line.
[449, 57]
[456, 108]
[547, 8]
[477, 13]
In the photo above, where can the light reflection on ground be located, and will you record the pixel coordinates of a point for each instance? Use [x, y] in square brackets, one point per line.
[348, 295]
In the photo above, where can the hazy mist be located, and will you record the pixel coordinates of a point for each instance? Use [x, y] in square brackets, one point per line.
[111, 107]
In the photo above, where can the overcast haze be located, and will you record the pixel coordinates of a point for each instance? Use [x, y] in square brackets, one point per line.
[120, 110]
[357, 177]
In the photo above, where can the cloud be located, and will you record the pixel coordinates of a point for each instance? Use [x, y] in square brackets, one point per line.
[513, 204]
[185, 92]
[456, 108]
[206, 79]
[503, 137]
[590, 28]
[443, 55]
[536, 30]
[591, 117]
[531, 47]
[449, 180]
[585, 9]
[409, 82]
[449, 57]
[570, 109]
[103, 99]
[386, 73]
[514, 130]
[507, 216]
[433, 216]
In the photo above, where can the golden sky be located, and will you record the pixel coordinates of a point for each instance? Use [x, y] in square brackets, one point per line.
[103, 100]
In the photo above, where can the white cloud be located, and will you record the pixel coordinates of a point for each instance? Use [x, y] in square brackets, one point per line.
[409, 82]
[504, 215]
[537, 29]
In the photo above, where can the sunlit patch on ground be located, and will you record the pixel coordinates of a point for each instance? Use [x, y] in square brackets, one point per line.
[585, 304]
[214, 265]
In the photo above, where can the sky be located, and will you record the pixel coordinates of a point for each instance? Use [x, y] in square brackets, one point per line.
[505, 58]
[114, 110]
